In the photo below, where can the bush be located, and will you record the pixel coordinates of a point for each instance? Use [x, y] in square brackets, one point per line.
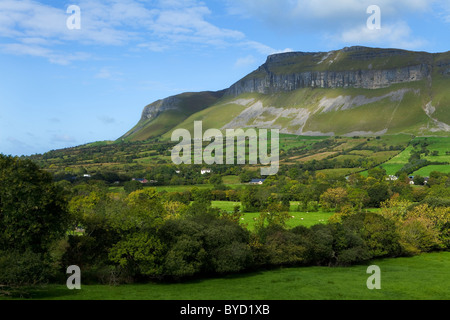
[418, 235]
[348, 244]
[284, 247]
[204, 243]
[131, 186]
[18, 269]
[318, 241]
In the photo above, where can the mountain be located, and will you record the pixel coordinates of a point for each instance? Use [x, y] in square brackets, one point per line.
[352, 91]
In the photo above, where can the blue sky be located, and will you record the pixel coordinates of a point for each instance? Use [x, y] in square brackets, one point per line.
[61, 87]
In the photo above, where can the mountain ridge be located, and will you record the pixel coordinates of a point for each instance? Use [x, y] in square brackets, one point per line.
[310, 93]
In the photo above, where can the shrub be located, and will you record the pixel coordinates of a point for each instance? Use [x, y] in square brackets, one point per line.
[418, 235]
[19, 269]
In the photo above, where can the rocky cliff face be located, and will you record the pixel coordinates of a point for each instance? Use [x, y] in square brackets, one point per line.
[156, 108]
[367, 79]
[342, 71]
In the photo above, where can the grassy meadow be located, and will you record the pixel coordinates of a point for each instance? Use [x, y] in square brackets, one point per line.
[297, 218]
[423, 277]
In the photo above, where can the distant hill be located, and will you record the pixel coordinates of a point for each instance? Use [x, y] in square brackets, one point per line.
[353, 91]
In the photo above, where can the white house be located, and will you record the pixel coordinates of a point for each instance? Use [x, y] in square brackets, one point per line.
[392, 178]
[203, 171]
[257, 181]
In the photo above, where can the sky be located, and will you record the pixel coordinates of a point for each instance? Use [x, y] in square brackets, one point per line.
[73, 75]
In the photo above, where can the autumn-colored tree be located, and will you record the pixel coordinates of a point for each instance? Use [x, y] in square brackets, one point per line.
[334, 198]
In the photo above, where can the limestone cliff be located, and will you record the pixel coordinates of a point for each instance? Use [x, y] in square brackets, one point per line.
[356, 67]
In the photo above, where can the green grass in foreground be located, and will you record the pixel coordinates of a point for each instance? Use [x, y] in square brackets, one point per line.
[424, 277]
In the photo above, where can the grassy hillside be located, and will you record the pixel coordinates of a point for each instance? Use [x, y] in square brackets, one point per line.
[187, 104]
[397, 109]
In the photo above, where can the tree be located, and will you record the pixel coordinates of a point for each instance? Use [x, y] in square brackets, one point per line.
[32, 209]
[419, 180]
[358, 197]
[32, 216]
[131, 186]
[377, 173]
[216, 181]
[250, 200]
[378, 192]
[333, 198]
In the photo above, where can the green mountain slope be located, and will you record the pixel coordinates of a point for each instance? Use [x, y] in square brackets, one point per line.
[162, 115]
[353, 91]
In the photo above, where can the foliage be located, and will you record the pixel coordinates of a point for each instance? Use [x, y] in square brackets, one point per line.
[133, 185]
[32, 209]
[334, 198]
[19, 269]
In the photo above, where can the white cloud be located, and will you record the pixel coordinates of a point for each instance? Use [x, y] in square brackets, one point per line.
[444, 8]
[38, 29]
[321, 13]
[340, 21]
[40, 51]
[395, 35]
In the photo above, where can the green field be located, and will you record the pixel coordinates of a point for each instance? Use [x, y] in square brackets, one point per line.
[439, 144]
[423, 277]
[425, 171]
[306, 219]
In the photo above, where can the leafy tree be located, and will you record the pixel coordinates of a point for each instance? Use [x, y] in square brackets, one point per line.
[334, 198]
[204, 243]
[359, 198]
[131, 186]
[418, 180]
[33, 211]
[436, 217]
[419, 235]
[377, 173]
[378, 193]
[251, 202]
[281, 247]
[139, 253]
[274, 214]
[217, 182]
[380, 235]
[348, 244]
[318, 241]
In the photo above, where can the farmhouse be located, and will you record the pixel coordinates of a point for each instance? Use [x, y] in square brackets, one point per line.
[143, 181]
[203, 171]
[392, 178]
[257, 181]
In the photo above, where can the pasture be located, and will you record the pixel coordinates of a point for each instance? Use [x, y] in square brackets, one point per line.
[422, 277]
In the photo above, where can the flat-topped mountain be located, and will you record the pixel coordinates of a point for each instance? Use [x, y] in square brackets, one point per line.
[353, 91]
